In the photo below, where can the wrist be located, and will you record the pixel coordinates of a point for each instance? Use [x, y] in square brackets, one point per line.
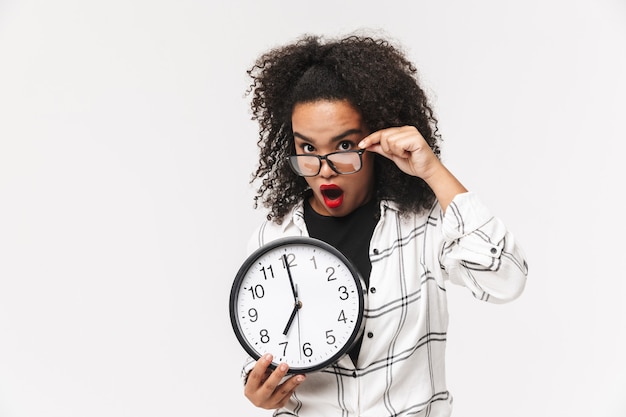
[444, 184]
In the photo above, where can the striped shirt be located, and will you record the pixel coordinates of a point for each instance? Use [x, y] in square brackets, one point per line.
[401, 366]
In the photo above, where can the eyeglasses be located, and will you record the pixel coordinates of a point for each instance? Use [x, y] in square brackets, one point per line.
[342, 162]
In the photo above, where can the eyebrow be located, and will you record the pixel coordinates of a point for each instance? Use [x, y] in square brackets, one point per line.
[334, 139]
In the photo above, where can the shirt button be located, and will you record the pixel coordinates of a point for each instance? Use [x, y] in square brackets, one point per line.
[494, 250]
[354, 374]
[375, 251]
[373, 290]
[370, 334]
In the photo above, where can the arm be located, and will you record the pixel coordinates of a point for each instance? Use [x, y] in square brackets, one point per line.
[478, 251]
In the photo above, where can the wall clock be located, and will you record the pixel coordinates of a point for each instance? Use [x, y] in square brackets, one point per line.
[299, 299]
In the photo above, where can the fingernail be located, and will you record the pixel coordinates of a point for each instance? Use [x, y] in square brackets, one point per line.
[299, 378]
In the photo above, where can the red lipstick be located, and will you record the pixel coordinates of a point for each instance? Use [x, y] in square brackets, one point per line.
[332, 194]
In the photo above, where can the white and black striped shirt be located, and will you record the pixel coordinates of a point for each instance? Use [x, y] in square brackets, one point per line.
[401, 365]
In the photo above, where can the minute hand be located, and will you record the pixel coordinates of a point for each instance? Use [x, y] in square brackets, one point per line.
[296, 301]
[293, 287]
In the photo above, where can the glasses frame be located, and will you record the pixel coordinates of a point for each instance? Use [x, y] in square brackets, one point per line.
[293, 159]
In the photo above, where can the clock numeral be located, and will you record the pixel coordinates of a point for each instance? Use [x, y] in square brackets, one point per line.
[306, 349]
[253, 314]
[342, 317]
[330, 339]
[257, 291]
[265, 337]
[288, 260]
[271, 272]
[284, 347]
[314, 262]
[330, 271]
[343, 293]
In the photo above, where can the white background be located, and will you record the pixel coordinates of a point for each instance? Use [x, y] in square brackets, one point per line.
[126, 147]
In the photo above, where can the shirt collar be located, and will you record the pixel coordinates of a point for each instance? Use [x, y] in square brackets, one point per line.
[297, 214]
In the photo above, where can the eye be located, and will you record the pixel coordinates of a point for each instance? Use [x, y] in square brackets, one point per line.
[307, 148]
[345, 146]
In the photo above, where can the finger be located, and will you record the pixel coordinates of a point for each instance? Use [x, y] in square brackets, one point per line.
[400, 145]
[372, 143]
[271, 394]
[388, 146]
[289, 386]
[259, 373]
[286, 390]
[370, 140]
[391, 141]
[274, 379]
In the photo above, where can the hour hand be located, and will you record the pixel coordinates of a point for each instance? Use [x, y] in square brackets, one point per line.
[296, 307]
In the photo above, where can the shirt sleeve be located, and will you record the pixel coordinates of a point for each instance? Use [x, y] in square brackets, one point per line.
[247, 367]
[480, 253]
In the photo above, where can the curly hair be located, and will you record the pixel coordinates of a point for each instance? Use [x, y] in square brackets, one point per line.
[373, 75]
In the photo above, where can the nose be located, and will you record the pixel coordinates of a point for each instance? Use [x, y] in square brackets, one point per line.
[326, 171]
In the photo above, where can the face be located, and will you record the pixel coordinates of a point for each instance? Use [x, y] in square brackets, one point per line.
[322, 127]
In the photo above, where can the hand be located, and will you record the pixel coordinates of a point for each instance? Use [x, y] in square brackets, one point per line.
[264, 388]
[408, 149]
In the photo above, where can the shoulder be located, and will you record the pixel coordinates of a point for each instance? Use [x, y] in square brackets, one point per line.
[267, 231]
[434, 214]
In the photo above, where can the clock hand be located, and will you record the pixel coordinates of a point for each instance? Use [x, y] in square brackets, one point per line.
[293, 288]
[299, 341]
[294, 291]
[296, 307]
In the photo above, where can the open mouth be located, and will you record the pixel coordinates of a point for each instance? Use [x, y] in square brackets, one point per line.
[332, 194]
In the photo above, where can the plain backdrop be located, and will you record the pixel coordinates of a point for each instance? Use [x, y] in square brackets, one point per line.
[126, 149]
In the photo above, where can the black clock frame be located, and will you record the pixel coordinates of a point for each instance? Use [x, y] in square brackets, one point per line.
[289, 241]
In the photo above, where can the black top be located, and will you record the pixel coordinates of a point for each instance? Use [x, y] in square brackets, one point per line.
[350, 234]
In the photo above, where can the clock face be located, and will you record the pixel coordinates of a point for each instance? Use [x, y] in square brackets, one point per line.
[299, 299]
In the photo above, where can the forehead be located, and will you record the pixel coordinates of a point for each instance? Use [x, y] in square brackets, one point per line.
[325, 120]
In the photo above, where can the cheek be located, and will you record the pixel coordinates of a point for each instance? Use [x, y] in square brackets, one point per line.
[309, 181]
[363, 181]
[367, 171]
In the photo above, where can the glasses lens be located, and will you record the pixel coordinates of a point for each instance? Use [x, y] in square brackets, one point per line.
[347, 162]
[344, 162]
[305, 165]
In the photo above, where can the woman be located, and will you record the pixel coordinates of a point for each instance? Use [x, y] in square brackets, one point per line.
[349, 154]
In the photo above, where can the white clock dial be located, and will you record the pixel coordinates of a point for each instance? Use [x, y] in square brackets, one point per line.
[300, 300]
